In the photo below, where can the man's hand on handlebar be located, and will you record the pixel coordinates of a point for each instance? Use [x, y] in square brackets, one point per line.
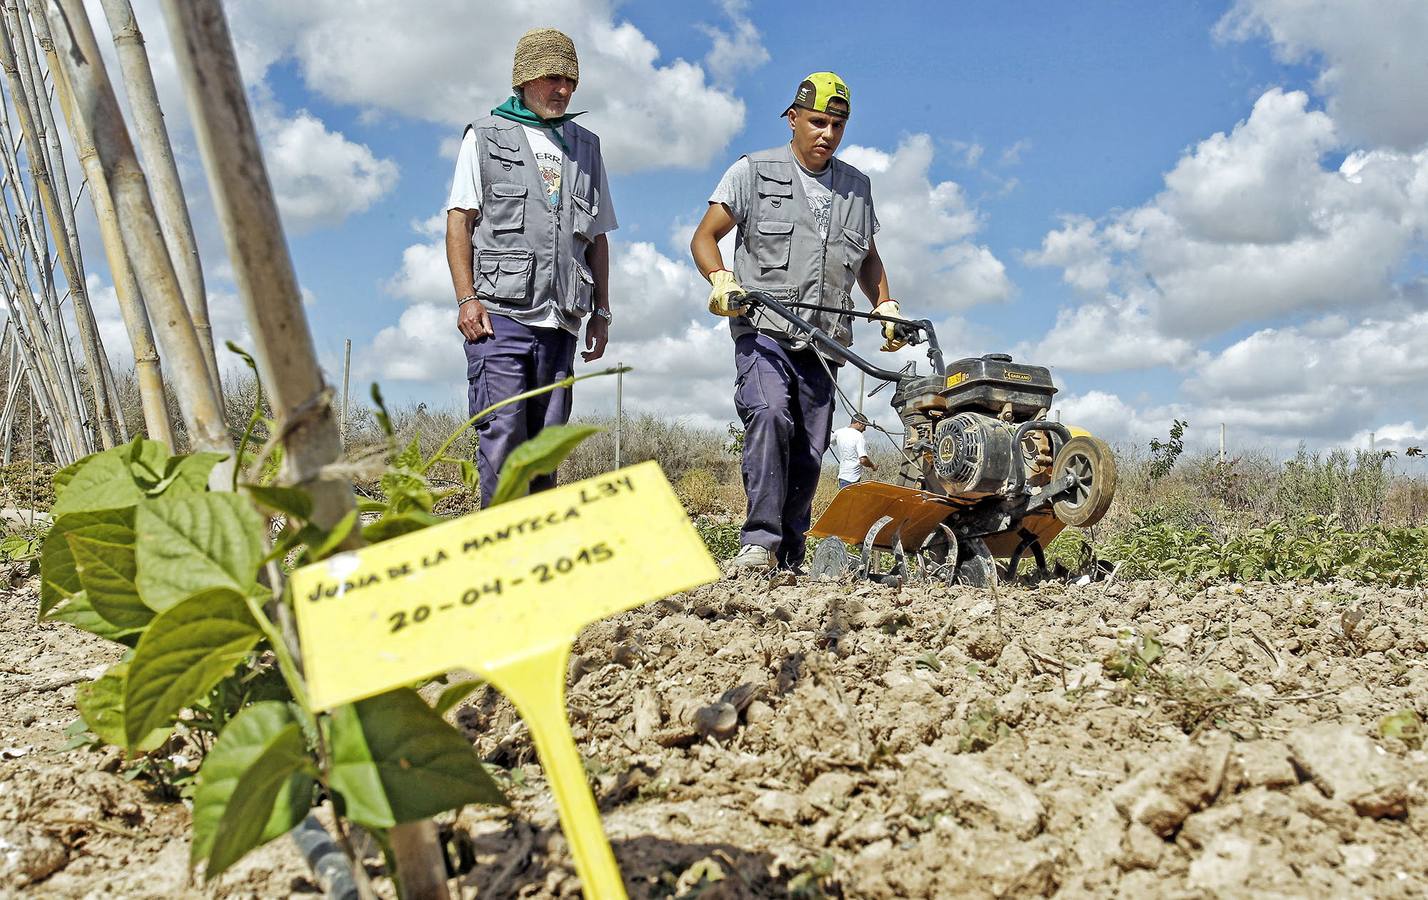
[726, 297]
[895, 334]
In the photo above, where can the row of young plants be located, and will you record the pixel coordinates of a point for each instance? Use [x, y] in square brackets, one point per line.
[190, 582]
[1307, 548]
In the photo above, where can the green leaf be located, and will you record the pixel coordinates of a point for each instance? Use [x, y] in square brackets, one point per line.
[384, 419]
[61, 479]
[78, 612]
[389, 527]
[187, 474]
[404, 490]
[409, 458]
[106, 573]
[292, 502]
[59, 578]
[540, 455]
[147, 461]
[189, 544]
[254, 785]
[101, 481]
[101, 704]
[334, 538]
[396, 760]
[454, 694]
[186, 650]
[470, 475]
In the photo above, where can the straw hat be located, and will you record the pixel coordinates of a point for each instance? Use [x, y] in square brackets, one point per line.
[541, 52]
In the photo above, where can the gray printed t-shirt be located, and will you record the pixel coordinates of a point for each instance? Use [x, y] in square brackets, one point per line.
[736, 187]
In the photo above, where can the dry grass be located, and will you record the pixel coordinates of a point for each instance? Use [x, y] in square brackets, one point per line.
[1252, 489]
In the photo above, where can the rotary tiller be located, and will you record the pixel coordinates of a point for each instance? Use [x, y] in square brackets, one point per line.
[985, 473]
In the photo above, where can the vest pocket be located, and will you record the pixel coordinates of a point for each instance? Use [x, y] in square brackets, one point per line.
[774, 191]
[506, 206]
[855, 246]
[584, 289]
[504, 150]
[505, 275]
[582, 213]
[773, 245]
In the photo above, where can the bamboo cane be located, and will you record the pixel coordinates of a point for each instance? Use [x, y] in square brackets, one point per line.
[64, 453]
[52, 311]
[17, 377]
[158, 153]
[93, 100]
[52, 349]
[26, 53]
[131, 301]
[25, 105]
[263, 270]
[27, 50]
[44, 360]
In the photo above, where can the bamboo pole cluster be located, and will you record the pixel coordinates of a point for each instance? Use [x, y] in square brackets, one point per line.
[50, 55]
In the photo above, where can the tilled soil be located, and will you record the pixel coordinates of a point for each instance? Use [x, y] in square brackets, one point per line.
[71, 823]
[850, 740]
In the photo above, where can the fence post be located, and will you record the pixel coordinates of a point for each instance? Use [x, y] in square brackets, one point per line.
[619, 407]
[346, 374]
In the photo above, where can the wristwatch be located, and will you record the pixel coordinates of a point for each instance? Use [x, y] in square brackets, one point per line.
[604, 314]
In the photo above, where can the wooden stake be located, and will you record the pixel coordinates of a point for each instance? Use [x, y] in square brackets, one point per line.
[346, 376]
[243, 196]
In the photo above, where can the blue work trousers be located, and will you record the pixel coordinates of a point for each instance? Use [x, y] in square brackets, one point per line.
[785, 399]
[515, 359]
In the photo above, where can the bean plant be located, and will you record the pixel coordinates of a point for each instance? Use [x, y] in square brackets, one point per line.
[189, 582]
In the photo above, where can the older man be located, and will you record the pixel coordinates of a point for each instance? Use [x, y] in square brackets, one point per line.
[805, 233]
[525, 241]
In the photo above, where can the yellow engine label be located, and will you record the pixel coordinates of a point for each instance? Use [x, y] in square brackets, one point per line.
[956, 378]
[1015, 376]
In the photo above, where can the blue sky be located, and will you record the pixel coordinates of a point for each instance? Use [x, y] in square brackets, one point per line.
[1213, 211]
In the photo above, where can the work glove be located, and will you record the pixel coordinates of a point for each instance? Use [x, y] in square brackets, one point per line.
[726, 298]
[892, 342]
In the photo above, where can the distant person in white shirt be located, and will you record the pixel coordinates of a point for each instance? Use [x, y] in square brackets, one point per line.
[851, 448]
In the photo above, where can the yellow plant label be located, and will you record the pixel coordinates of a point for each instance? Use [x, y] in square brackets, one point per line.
[503, 593]
[495, 586]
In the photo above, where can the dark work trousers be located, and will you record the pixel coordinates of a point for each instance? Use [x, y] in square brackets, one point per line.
[785, 399]
[516, 358]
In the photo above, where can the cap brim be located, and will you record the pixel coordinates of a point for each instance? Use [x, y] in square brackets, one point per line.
[793, 106]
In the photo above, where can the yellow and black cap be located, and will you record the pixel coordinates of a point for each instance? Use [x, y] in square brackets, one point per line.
[822, 92]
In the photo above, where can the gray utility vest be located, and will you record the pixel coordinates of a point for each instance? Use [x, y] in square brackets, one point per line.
[528, 257]
[779, 250]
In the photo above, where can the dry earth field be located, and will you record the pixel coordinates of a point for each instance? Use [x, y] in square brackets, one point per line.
[828, 739]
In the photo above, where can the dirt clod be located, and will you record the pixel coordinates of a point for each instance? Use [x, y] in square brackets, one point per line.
[1347, 766]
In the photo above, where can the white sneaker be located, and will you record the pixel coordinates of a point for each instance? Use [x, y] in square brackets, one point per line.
[751, 557]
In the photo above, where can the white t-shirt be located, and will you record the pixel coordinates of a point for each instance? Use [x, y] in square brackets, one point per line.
[466, 186]
[850, 446]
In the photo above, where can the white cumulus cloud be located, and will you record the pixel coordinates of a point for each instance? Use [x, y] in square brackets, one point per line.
[449, 62]
[1372, 66]
[319, 176]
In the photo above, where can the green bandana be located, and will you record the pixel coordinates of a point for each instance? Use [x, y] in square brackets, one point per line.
[516, 111]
